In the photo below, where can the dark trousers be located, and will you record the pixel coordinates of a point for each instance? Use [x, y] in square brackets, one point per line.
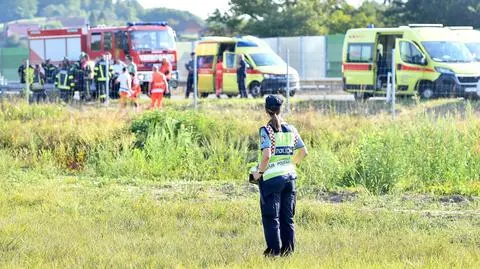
[189, 85]
[241, 87]
[39, 96]
[66, 95]
[101, 89]
[278, 210]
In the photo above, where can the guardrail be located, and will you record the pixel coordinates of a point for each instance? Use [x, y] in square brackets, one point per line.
[326, 85]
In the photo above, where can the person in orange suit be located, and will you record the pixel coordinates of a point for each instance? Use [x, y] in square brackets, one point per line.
[219, 77]
[158, 86]
[136, 91]
[167, 70]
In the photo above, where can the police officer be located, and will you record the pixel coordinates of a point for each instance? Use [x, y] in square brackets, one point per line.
[50, 71]
[100, 77]
[281, 149]
[242, 76]
[190, 68]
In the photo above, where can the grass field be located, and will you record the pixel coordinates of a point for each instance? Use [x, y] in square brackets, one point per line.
[93, 188]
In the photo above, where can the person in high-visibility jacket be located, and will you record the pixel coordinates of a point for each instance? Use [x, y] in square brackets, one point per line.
[282, 149]
[100, 76]
[158, 86]
[50, 71]
[219, 77]
[65, 82]
[167, 70]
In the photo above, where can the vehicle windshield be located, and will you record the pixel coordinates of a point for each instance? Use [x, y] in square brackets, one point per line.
[153, 40]
[474, 49]
[267, 59]
[448, 52]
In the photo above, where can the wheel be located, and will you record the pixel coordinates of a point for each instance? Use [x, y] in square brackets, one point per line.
[204, 95]
[255, 89]
[292, 93]
[426, 92]
[361, 96]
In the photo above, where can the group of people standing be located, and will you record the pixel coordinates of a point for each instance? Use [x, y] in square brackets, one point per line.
[87, 80]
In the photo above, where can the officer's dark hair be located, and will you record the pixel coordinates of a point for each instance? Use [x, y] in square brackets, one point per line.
[124, 69]
[273, 105]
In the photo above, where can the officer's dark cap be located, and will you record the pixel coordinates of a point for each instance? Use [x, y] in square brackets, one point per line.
[273, 102]
[192, 54]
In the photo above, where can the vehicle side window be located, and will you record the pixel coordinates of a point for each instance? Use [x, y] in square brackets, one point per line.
[360, 53]
[409, 53]
[107, 41]
[205, 62]
[96, 42]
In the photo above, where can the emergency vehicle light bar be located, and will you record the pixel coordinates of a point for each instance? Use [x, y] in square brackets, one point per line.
[425, 25]
[460, 27]
[160, 23]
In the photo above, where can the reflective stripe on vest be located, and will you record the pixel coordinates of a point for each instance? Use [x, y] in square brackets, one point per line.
[63, 78]
[282, 150]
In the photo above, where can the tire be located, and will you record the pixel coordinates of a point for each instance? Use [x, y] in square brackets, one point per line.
[426, 91]
[255, 89]
[361, 96]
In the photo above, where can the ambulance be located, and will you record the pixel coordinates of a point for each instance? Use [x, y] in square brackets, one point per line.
[266, 71]
[429, 61]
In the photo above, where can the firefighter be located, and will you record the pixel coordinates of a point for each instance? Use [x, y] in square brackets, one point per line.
[65, 83]
[50, 71]
[158, 86]
[167, 70]
[219, 77]
[38, 85]
[100, 77]
[79, 80]
[281, 149]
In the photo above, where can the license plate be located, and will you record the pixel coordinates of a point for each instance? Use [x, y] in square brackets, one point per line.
[471, 89]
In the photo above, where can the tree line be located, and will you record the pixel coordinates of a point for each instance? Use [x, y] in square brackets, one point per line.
[108, 12]
[267, 18]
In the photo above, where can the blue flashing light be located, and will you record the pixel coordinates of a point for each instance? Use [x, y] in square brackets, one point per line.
[160, 23]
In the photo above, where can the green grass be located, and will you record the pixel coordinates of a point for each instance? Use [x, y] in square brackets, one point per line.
[82, 222]
[431, 147]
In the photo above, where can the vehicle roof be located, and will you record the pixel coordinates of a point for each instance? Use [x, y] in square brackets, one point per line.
[423, 33]
[468, 35]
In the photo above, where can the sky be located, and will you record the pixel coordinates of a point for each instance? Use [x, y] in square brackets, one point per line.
[201, 8]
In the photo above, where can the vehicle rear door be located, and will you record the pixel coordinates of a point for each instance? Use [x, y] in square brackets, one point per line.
[230, 72]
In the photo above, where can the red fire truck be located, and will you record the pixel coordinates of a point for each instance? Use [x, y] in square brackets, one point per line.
[147, 44]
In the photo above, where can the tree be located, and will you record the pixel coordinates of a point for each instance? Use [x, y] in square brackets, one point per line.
[19, 9]
[447, 12]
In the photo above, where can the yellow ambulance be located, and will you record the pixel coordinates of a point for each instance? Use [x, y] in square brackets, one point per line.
[266, 71]
[429, 61]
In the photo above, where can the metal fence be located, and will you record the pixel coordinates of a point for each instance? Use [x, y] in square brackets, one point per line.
[314, 57]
